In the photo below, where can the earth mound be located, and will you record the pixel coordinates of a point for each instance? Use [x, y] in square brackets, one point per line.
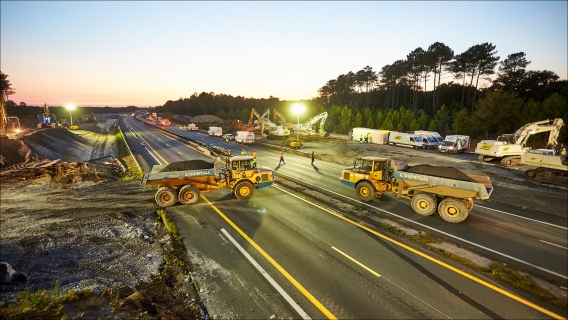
[442, 172]
[188, 165]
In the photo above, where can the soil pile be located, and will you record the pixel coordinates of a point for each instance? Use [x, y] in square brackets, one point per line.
[206, 118]
[12, 152]
[188, 165]
[442, 172]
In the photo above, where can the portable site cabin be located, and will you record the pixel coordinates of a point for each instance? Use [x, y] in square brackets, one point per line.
[376, 136]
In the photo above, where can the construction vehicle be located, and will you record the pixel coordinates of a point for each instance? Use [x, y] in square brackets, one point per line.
[278, 132]
[9, 126]
[551, 167]
[510, 147]
[282, 119]
[295, 144]
[307, 126]
[262, 123]
[244, 137]
[239, 175]
[448, 190]
[215, 131]
[46, 120]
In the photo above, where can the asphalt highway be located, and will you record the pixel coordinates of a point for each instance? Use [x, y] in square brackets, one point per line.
[316, 263]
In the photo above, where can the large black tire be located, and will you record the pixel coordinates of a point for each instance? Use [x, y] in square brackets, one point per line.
[424, 204]
[188, 194]
[166, 197]
[453, 210]
[365, 191]
[244, 190]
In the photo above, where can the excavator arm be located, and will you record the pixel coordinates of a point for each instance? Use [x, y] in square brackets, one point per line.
[278, 115]
[252, 114]
[307, 126]
[553, 125]
[3, 119]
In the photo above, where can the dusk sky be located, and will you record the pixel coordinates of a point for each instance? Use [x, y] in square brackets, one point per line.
[145, 53]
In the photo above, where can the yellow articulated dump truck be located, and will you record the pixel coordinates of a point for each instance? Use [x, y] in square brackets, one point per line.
[183, 181]
[449, 190]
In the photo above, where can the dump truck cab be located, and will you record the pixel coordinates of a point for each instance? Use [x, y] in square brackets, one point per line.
[370, 176]
[242, 175]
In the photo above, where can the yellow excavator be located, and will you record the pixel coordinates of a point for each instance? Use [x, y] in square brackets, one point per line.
[278, 115]
[9, 126]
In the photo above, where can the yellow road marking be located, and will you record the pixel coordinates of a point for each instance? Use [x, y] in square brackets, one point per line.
[298, 286]
[357, 262]
[443, 264]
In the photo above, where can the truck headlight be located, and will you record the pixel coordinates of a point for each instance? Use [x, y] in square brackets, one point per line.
[451, 148]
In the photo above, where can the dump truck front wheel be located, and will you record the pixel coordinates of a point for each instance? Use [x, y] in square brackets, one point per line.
[188, 194]
[424, 204]
[166, 197]
[365, 191]
[453, 210]
[244, 190]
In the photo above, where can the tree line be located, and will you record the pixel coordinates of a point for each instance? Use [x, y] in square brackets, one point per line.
[486, 96]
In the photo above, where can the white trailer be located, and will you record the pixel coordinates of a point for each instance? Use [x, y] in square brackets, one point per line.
[192, 127]
[215, 131]
[409, 140]
[245, 137]
[454, 144]
[376, 136]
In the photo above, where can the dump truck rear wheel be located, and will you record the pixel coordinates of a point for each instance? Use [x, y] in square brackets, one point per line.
[424, 204]
[166, 197]
[244, 190]
[453, 210]
[188, 194]
[365, 191]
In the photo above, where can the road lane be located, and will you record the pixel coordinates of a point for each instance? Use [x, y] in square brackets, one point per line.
[500, 236]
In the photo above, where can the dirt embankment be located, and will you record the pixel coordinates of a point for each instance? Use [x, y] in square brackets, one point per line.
[82, 231]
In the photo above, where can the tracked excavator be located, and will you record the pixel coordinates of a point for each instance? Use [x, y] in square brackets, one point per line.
[510, 147]
[307, 126]
[9, 126]
[278, 115]
[262, 123]
[551, 165]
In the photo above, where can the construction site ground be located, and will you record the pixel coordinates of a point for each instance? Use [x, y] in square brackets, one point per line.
[94, 233]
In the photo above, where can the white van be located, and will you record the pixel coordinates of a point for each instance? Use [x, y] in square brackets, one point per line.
[434, 134]
[245, 137]
[454, 144]
[215, 131]
[407, 140]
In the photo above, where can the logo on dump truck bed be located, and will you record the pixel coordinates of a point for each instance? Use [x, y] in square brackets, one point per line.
[199, 173]
[413, 176]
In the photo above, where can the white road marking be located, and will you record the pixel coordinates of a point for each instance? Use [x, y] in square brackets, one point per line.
[153, 156]
[281, 291]
[442, 232]
[514, 215]
[554, 244]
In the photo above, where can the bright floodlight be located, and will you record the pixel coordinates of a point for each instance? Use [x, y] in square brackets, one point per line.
[298, 108]
[70, 107]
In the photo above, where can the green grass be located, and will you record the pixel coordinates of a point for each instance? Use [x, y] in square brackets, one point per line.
[125, 157]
